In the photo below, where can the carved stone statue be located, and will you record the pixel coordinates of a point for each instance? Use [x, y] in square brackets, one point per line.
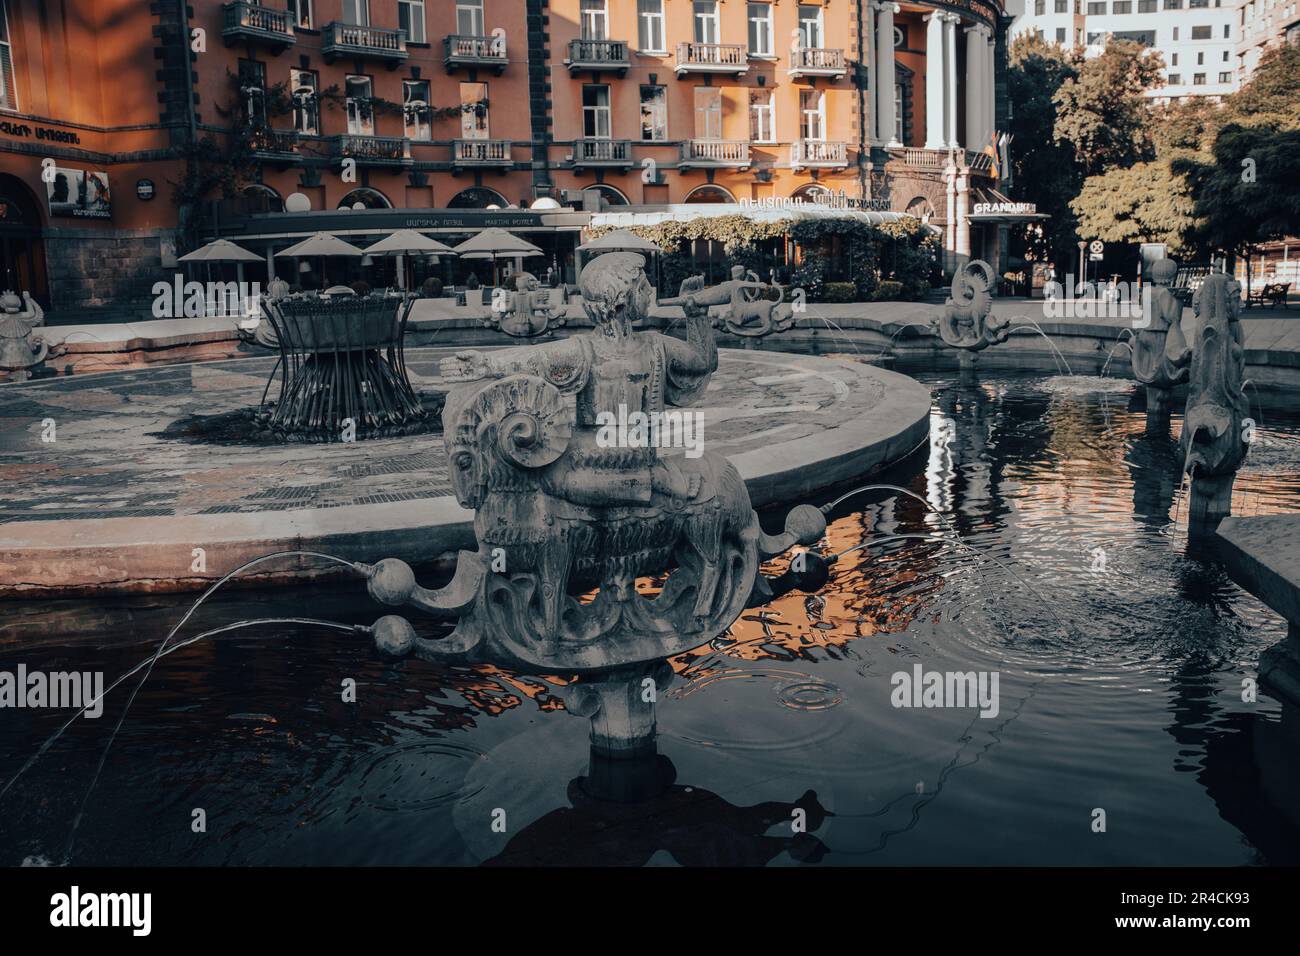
[562, 510]
[1215, 435]
[1160, 352]
[748, 306]
[965, 323]
[527, 312]
[21, 349]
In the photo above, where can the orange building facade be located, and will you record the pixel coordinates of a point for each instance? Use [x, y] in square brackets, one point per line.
[447, 115]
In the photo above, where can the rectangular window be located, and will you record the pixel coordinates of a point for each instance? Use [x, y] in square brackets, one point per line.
[469, 18]
[1175, 79]
[706, 21]
[252, 92]
[410, 17]
[1227, 31]
[654, 113]
[593, 17]
[708, 112]
[356, 12]
[1175, 34]
[1096, 9]
[474, 111]
[650, 25]
[1173, 61]
[1200, 59]
[1122, 6]
[760, 29]
[8, 92]
[1173, 4]
[1040, 7]
[301, 11]
[1062, 6]
[361, 111]
[1201, 33]
[595, 111]
[1225, 77]
[416, 115]
[1198, 79]
[762, 117]
[1225, 56]
[303, 86]
[1060, 35]
[1197, 4]
[1146, 6]
[899, 135]
[812, 114]
[811, 32]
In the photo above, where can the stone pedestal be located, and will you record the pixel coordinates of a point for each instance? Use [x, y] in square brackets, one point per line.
[1159, 401]
[1209, 502]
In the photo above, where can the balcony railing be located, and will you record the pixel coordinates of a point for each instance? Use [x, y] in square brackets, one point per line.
[817, 61]
[374, 150]
[715, 152]
[937, 159]
[924, 158]
[274, 145]
[481, 152]
[602, 152]
[376, 43]
[810, 153]
[467, 51]
[711, 58]
[245, 22]
[598, 55]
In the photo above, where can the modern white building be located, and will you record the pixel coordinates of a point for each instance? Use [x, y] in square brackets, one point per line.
[1197, 38]
[1262, 24]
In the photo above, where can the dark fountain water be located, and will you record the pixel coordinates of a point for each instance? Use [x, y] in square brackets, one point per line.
[1051, 553]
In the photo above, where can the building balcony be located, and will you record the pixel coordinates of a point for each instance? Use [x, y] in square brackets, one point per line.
[459, 52]
[367, 43]
[373, 150]
[711, 58]
[818, 154]
[936, 160]
[590, 153]
[714, 154]
[598, 55]
[274, 146]
[817, 61]
[250, 23]
[481, 154]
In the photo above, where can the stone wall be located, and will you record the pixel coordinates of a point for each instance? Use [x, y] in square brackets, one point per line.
[91, 270]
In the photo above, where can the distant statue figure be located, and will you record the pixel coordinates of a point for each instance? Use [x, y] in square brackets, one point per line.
[1160, 352]
[565, 503]
[21, 349]
[1215, 436]
[277, 289]
[747, 307]
[966, 323]
[526, 312]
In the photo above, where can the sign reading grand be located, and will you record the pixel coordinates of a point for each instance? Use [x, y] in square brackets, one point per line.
[80, 193]
[1004, 209]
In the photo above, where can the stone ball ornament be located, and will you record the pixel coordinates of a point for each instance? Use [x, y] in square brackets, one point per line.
[394, 636]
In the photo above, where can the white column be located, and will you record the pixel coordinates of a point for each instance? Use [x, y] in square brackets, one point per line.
[950, 78]
[974, 87]
[869, 58]
[934, 136]
[885, 73]
[963, 219]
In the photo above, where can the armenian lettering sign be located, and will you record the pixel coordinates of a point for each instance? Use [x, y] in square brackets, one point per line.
[79, 193]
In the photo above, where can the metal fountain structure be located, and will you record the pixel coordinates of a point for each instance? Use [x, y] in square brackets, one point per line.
[566, 525]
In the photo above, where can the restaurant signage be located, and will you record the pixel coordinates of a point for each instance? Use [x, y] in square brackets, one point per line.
[1004, 209]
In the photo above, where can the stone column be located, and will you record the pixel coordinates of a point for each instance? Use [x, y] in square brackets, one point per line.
[869, 58]
[974, 86]
[950, 78]
[934, 66]
[963, 218]
[990, 74]
[950, 229]
[885, 73]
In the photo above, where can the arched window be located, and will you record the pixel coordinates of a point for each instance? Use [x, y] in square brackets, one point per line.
[261, 198]
[811, 192]
[369, 199]
[710, 194]
[477, 197]
[921, 208]
[609, 196]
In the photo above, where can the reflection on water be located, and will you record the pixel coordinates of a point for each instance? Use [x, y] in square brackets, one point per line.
[1131, 703]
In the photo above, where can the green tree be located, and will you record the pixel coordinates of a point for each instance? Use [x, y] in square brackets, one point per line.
[1103, 112]
[1146, 202]
[1043, 171]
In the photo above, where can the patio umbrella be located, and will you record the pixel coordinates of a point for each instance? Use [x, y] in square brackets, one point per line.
[407, 240]
[620, 240]
[496, 244]
[323, 244]
[222, 250]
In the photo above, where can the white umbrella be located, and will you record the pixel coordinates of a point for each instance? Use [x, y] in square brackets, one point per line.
[407, 240]
[222, 250]
[496, 244]
[323, 244]
[620, 240]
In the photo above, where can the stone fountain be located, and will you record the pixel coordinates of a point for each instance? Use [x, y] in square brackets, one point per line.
[966, 323]
[1215, 436]
[1160, 352]
[526, 312]
[567, 519]
[21, 348]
